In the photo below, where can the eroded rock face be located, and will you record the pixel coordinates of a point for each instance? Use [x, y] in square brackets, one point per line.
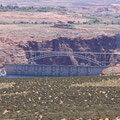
[99, 44]
[2, 62]
[6, 43]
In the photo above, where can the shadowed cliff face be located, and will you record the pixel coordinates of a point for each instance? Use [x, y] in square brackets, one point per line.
[99, 44]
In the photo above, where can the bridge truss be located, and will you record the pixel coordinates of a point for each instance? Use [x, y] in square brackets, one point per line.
[83, 58]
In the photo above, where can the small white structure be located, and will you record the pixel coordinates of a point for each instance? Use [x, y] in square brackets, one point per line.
[2, 72]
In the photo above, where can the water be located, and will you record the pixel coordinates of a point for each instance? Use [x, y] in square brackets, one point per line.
[19, 76]
[25, 76]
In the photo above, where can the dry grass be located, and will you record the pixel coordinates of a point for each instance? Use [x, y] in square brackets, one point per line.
[16, 93]
[31, 32]
[103, 83]
[39, 17]
[40, 32]
[54, 99]
[6, 85]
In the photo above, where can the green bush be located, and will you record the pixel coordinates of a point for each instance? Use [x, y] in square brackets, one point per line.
[30, 9]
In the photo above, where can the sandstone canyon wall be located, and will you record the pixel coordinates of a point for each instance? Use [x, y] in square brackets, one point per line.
[98, 44]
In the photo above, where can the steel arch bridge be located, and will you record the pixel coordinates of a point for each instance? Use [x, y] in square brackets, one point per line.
[29, 56]
[90, 57]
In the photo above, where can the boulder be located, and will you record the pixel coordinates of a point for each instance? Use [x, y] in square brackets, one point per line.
[1, 65]
[115, 70]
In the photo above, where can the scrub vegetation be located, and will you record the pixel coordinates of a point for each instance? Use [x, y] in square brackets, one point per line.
[55, 98]
[29, 9]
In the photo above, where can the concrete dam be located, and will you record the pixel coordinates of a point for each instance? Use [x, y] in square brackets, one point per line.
[47, 70]
[92, 64]
[63, 57]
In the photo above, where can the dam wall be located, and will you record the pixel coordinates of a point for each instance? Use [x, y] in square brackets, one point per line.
[48, 70]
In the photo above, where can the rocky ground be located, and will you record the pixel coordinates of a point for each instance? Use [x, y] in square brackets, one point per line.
[60, 98]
